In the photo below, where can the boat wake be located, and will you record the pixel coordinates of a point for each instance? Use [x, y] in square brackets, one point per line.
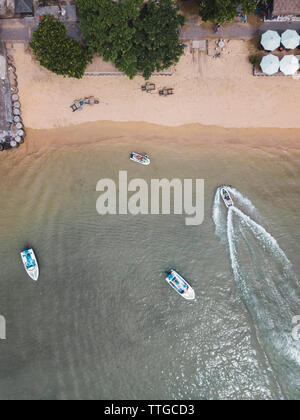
[220, 213]
[266, 284]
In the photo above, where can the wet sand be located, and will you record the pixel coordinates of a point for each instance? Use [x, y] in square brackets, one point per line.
[39, 141]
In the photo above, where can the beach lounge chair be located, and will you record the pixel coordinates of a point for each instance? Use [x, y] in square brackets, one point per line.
[166, 91]
[79, 104]
[148, 87]
[91, 100]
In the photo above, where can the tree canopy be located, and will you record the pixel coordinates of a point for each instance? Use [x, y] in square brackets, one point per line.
[222, 11]
[137, 37]
[56, 52]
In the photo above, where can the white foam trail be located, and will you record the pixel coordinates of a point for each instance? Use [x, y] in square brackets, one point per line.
[240, 199]
[219, 211]
[233, 252]
[267, 285]
[264, 237]
[219, 216]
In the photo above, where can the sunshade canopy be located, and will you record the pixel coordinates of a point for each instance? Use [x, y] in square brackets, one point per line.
[290, 39]
[270, 40]
[289, 65]
[270, 64]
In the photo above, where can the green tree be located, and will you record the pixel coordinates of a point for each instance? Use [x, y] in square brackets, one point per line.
[158, 28]
[56, 52]
[222, 11]
[136, 37]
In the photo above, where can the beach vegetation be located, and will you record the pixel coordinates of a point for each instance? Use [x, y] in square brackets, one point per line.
[221, 11]
[254, 59]
[137, 37]
[56, 52]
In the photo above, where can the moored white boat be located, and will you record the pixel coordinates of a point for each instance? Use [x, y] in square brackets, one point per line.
[30, 263]
[226, 197]
[180, 285]
[138, 158]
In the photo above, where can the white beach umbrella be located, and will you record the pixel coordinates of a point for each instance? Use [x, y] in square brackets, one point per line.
[289, 65]
[270, 64]
[290, 39]
[270, 40]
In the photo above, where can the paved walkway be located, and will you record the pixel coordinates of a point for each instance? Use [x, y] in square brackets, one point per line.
[231, 30]
[20, 30]
[16, 29]
[234, 30]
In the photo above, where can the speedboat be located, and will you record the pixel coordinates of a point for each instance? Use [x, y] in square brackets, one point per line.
[180, 285]
[30, 263]
[142, 159]
[226, 197]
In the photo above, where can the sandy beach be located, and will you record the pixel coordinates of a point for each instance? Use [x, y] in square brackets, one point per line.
[208, 91]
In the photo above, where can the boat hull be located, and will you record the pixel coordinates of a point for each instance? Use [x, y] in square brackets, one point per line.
[226, 197]
[30, 263]
[180, 285]
[138, 158]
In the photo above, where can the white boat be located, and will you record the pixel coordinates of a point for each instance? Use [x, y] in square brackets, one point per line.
[180, 285]
[30, 263]
[226, 197]
[142, 159]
